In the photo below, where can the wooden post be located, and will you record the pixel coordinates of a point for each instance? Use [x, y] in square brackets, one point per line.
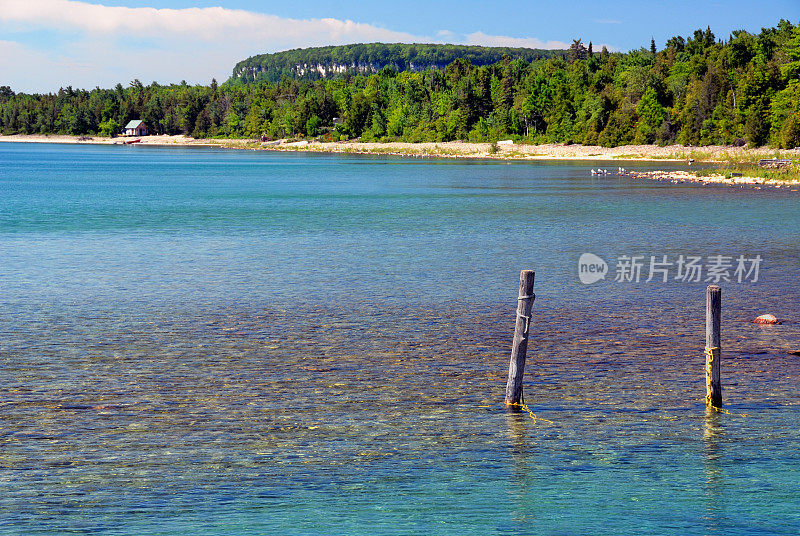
[519, 348]
[713, 351]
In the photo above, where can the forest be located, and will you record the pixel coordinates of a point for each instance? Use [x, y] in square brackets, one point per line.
[698, 90]
[369, 58]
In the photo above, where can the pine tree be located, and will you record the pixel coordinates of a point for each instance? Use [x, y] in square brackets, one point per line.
[577, 51]
[756, 127]
[652, 46]
[791, 70]
[790, 137]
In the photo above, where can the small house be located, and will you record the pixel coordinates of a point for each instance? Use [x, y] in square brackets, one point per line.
[136, 128]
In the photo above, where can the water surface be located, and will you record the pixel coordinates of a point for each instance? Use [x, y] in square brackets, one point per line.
[231, 342]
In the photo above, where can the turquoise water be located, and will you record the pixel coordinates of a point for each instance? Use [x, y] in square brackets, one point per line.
[199, 341]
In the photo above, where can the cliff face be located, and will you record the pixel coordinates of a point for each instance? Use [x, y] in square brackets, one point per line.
[328, 62]
[332, 69]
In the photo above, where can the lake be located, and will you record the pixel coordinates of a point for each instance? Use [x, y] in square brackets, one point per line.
[208, 342]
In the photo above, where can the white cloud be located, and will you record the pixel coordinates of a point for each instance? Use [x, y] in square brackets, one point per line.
[194, 44]
[23, 68]
[102, 45]
[202, 24]
[480, 38]
[607, 21]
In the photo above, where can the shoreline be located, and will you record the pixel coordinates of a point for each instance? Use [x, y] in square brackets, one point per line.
[716, 179]
[451, 149]
[506, 152]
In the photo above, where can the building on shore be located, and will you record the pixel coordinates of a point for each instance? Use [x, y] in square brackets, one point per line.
[137, 127]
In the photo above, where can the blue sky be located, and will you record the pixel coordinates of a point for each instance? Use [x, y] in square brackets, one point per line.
[45, 44]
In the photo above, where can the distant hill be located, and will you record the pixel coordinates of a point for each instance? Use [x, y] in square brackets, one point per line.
[369, 58]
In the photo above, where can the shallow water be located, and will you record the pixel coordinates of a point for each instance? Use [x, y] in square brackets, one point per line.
[220, 342]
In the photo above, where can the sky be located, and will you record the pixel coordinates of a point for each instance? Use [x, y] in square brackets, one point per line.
[47, 44]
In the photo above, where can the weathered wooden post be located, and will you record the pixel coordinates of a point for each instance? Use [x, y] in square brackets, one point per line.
[713, 352]
[519, 348]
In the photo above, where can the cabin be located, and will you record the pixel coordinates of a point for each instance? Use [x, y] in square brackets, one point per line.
[136, 128]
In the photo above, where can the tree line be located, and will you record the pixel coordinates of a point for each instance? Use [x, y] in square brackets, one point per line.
[697, 90]
[369, 58]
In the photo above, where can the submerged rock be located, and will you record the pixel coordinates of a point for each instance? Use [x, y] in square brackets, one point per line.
[766, 319]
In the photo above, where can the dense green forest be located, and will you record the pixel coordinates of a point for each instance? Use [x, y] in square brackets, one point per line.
[696, 90]
[369, 58]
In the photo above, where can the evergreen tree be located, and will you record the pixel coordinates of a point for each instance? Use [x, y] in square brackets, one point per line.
[696, 91]
[757, 126]
[791, 70]
[577, 51]
[790, 136]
